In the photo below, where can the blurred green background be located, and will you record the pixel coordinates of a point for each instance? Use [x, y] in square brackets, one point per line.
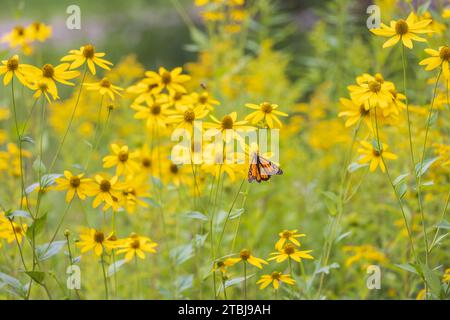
[151, 29]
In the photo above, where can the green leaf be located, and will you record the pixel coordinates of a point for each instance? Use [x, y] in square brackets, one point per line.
[37, 276]
[37, 226]
[196, 215]
[113, 268]
[421, 170]
[19, 213]
[39, 166]
[408, 267]
[354, 166]
[182, 253]
[184, 282]
[401, 189]
[13, 282]
[237, 213]
[198, 37]
[49, 179]
[400, 178]
[444, 224]
[432, 279]
[47, 250]
[326, 269]
[234, 281]
[28, 139]
[199, 240]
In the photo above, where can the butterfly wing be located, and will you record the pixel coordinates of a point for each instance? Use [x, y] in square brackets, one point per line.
[269, 168]
[262, 169]
[254, 172]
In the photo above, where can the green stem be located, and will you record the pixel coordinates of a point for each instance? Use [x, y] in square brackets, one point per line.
[399, 200]
[245, 280]
[419, 174]
[63, 140]
[105, 280]
[229, 214]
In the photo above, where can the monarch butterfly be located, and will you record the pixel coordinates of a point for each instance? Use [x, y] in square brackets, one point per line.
[262, 169]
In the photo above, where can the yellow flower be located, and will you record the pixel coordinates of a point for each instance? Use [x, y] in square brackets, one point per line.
[446, 13]
[438, 58]
[39, 31]
[220, 266]
[228, 122]
[174, 174]
[42, 88]
[275, 278]
[291, 252]
[133, 190]
[170, 80]
[184, 117]
[136, 246]
[91, 239]
[12, 67]
[354, 113]
[288, 235]
[105, 87]
[246, 256]
[87, 55]
[145, 89]
[266, 112]
[368, 254]
[50, 75]
[204, 100]
[104, 190]
[155, 112]
[371, 153]
[19, 37]
[74, 184]
[147, 159]
[404, 30]
[446, 276]
[373, 91]
[123, 159]
[10, 230]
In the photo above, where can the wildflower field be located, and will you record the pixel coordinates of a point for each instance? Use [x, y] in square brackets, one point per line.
[343, 195]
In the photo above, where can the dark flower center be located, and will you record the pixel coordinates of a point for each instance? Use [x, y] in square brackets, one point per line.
[266, 107]
[166, 77]
[401, 27]
[155, 109]
[227, 123]
[20, 30]
[289, 249]
[75, 181]
[123, 156]
[105, 83]
[89, 51]
[276, 275]
[377, 153]
[174, 168]
[203, 98]
[99, 237]
[189, 116]
[12, 64]
[135, 244]
[374, 86]
[48, 71]
[105, 186]
[244, 254]
[444, 53]
[146, 162]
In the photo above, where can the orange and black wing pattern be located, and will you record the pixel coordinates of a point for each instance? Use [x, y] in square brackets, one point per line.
[262, 169]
